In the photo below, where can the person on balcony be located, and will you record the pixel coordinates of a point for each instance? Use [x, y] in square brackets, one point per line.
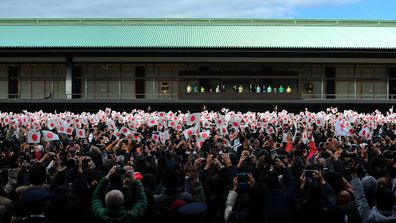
[281, 89]
[288, 90]
[269, 89]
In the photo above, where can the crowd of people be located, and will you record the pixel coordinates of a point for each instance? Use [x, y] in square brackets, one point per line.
[222, 166]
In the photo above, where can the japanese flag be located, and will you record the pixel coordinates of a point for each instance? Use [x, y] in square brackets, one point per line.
[152, 122]
[170, 115]
[178, 127]
[110, 124]
[49, 136]
[223, 131]
[125, 131]
[270, 130]
[320, 121]
[305, 137]
[156, 137]
[80, 133]
[7, 120]
[193, 118]
[234, 122]
[69, 131]
[189, 132]
[33, 137]
[365, 132]
[117, 134]
[205, 124]
[204, 135]
[162, 137]
[68, 122]
[220, 122]
[200, 142]
[62, 129]
[161, 115]
[51, 124]
[136, 137]
[108, 111]
[172, 124]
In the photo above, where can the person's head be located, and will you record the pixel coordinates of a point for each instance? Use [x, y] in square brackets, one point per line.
[170, 179]
[385, 200]
[114, 200]
[36, 200]
[369, 184]
[149, 181]
[37, 174]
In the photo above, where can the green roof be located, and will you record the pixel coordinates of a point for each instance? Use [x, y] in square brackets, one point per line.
[197, 33]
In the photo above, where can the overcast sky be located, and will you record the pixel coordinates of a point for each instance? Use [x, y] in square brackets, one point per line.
[370, 9]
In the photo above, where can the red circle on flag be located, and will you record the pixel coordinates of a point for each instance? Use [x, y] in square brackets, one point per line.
[50, 135]
[318, 122]
[172, 123]
[81, 133]
[152, 122]
[125, 130]
[52, 125]
[178, 127]
[364, 132]
[62, 129]
[192, 118]
[68, 121]
[189, 132]
[118, 134]
[219, 121]
[204, 135]
[34, 137]
[235, 124]
[68, 130]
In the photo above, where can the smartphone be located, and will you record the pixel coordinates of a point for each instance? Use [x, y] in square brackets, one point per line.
[242, 181]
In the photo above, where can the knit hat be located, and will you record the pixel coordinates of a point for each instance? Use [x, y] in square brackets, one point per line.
[343, 198]
[193, 208]
[138, 176]
[176, 205]
[35, 194]
[369, 184]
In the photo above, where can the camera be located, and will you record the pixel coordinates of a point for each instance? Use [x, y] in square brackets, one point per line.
[309, 177]
[249, 158]
[120, 170]
[299, 152]
[21, 158]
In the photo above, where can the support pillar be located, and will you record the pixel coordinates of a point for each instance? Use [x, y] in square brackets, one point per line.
[69, 75]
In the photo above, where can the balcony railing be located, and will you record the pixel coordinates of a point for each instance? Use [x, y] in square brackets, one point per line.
[205, 96]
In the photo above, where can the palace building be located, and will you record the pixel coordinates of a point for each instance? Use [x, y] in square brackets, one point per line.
[245, 64]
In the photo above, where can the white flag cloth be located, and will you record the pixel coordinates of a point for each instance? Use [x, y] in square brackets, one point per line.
[117, 134]
[80, 133]
[189, 132]
[193, 118]
[156, 137]
[125, 131]
[51, 124]
[34, 137]
[110, 124]
[49, 136]
[108, 111]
